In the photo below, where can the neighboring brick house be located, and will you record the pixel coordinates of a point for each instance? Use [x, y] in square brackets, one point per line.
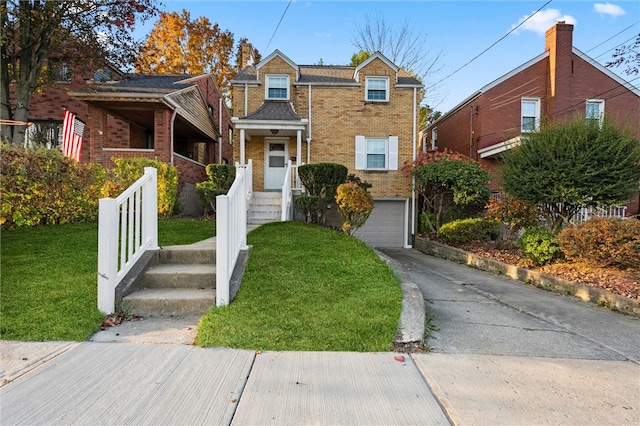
[178, 119]
[558, 84]
[363, 117]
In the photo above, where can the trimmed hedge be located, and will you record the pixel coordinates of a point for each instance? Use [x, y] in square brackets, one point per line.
[465, 230]
[40, 186]
[540, 245]
[605, 241]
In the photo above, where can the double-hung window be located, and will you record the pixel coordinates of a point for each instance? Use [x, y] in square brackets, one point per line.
[530, 113]
[377, 89]
[595, 111]
[277, 87]
[376, 153]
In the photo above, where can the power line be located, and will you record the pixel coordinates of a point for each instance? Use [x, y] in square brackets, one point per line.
[278, 26]
[498, 41]
[613, 36]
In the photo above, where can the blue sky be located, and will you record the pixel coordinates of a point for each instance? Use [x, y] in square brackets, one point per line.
[461, 30]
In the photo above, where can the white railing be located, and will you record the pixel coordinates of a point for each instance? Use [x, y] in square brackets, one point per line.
[586, 213]
[231, 230]
[127, 227]
[287, 195]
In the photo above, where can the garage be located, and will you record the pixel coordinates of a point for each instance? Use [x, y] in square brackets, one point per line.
[386, 224]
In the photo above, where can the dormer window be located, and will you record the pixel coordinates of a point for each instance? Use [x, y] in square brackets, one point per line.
[277, 87]
[377, 89]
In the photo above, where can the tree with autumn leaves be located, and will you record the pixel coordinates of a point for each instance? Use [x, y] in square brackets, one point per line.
[179, 45]
[82, 33]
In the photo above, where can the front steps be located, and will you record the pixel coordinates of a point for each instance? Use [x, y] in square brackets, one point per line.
[265, 207]
[182, 284]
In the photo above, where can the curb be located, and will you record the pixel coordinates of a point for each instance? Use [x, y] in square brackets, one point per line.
[586, 293]
[410, 334]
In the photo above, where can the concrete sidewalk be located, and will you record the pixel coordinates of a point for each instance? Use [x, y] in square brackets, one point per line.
[106, 383]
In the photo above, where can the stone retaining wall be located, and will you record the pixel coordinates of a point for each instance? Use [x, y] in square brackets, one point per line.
[594, 295]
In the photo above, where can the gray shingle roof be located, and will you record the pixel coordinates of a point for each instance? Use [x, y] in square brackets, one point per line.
[274, 110]
[319, 74]
[146, 83]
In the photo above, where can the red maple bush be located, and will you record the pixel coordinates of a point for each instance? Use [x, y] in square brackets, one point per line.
[605, 241]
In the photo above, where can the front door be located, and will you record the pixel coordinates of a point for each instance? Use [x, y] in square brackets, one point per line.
[276, 154]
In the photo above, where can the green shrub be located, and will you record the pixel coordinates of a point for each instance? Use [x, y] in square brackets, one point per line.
[354, 204]
[322, 180]
[40, 186]
[128, 170]
[221, 177]
[308, 206]
[605, 241]
[465, 230]
[540, 245]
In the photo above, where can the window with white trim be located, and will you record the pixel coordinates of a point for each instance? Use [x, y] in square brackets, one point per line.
[530, 113]
[434, 138]
[376, 153]
[595, 110]
[277, 87]
[377, 89]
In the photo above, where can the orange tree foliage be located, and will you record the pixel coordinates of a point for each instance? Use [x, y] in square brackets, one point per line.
[178, 45]
[439, 173]
[513, 214]
[354, 204]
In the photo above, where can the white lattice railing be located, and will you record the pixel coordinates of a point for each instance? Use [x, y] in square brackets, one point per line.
[586, 213]
[231, 229]
[127, 227]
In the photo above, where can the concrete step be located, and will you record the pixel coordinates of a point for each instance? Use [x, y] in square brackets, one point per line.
[158, 302]
[180, 276]
[203, 252]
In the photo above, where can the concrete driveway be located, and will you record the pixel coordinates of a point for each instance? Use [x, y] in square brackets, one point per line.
[508, 353]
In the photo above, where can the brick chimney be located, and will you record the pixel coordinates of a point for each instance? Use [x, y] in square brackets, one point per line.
[559, 43]
[247, 55]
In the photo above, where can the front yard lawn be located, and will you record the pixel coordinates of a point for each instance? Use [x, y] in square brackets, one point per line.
[48, 287]
[307, 288]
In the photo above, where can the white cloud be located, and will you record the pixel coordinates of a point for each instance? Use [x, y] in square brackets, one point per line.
[608, 9]
[543, 20]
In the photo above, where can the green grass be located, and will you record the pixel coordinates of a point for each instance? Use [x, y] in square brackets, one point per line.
[48, 287]
[307, 288]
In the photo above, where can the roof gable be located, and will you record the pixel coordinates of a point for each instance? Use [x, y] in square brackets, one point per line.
[279, 54]
[376, 55]
[607, 72]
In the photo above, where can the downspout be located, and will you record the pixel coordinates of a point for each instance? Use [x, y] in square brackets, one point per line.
[173, 118]
[220, 139]
[470, 131]
[413, 179]
[246, 99]
[309, 130]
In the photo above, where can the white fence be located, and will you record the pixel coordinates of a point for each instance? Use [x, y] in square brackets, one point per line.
[127, 227]
[586, 213]
[231, 229]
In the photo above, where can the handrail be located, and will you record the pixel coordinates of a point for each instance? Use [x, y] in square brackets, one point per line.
[127, 227]
[286, 194]
[231, 230]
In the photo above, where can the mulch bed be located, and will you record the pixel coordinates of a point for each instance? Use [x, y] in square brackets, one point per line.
[623, 282]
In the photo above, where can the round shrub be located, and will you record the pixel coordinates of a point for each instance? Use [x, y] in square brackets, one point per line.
[354, 204]
[465, 230]
[540, 245]
[605, 241]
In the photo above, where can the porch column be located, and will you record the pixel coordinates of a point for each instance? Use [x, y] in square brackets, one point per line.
[242, 147]
[298, 147]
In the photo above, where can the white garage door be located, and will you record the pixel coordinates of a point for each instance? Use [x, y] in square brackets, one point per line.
[385, 226]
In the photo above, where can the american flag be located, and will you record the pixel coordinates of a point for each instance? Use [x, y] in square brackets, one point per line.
[72, 132]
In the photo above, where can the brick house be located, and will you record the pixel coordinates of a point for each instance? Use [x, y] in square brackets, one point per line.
[560, 83]
[363, 117]
[178, 119]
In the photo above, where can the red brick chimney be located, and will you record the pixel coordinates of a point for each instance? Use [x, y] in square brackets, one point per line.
[559, 43]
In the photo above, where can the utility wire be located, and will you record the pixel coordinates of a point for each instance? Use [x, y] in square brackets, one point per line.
[613, 36]
[278, 26]
[498, 41]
